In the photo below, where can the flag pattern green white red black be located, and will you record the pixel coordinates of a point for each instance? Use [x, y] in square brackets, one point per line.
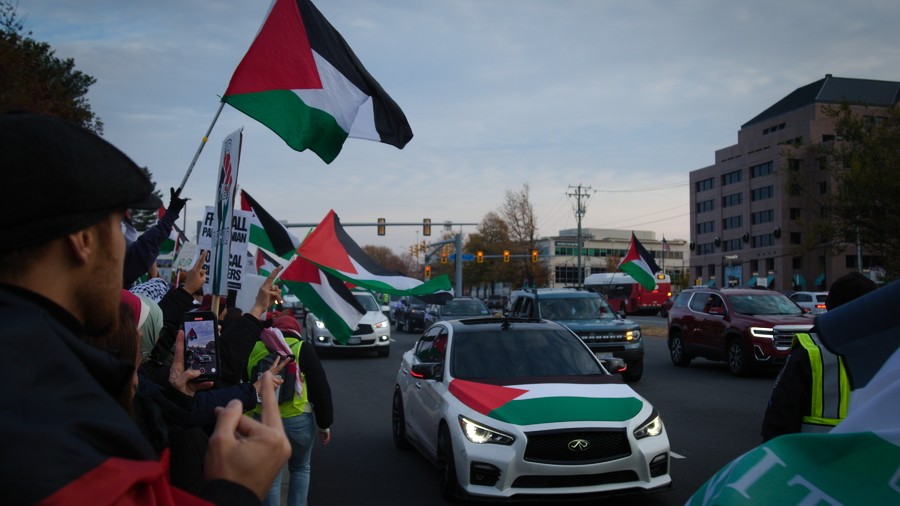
[325, 296]
[540, 402]
[301, 79]
[639, 264]
[265, 262]
[331, 248]
[266, 232]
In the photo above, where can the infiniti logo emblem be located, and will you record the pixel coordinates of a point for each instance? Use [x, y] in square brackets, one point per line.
[579, 445]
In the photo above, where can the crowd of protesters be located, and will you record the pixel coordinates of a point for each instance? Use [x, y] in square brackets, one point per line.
[101, 408]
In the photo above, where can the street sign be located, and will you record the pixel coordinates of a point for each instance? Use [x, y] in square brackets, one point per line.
[467, 257]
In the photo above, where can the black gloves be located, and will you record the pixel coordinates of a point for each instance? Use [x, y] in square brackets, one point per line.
[176, 203]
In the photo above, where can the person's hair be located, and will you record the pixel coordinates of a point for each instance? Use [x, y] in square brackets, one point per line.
[124, 343]
[848, 287]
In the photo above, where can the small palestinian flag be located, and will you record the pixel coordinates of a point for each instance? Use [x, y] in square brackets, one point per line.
[639, 264]
[266, 232]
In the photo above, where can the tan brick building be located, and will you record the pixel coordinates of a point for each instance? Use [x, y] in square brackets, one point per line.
[745, 219]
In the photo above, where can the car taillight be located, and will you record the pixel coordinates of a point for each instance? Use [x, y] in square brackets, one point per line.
[820, 306]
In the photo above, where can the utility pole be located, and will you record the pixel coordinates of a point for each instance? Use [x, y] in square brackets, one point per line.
[581, 194]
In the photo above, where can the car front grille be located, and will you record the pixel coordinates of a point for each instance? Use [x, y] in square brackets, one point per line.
[574, 480]
[362, 330]
[783, 335]
[602, 337]
[577, 447]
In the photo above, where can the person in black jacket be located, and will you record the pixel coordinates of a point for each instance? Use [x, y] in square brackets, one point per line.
[66, 438]
[790, 403]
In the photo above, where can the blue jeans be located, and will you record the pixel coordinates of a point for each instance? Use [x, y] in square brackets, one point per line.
[301, 432]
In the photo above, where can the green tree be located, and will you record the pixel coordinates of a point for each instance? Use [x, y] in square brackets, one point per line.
[383, 256]
[864, 167]
[33, 78]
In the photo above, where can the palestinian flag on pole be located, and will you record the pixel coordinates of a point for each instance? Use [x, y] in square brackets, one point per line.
[331, 249]
[173, 242]
[302, 80]
[639, 264]
[266, 232]
[266, 262]
[326, 296]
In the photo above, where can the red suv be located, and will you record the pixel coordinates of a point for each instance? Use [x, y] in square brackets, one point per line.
[732, 325]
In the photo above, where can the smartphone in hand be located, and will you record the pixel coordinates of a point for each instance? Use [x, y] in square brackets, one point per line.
[201, 334]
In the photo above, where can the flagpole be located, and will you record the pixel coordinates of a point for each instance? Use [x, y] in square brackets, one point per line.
[200, 147]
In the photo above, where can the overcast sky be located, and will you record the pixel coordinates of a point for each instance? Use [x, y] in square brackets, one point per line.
[624, 97]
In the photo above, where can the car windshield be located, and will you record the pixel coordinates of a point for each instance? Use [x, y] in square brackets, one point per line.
[367, 301]
[416, 302]
[765, 304]
[465, 308]
[520, 354]
[575, 308]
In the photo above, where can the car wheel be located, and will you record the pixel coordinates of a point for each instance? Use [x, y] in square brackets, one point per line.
[398, 421]
[384, 352]
[407, 326]
[399, 325]
[447, 465]
[676, 351]
[737, 360]
[634, 372]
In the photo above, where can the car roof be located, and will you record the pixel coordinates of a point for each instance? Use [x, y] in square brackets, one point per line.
[557, 293]
[490, 324]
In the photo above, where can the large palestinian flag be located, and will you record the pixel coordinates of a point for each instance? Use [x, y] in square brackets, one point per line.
[535, 403]
[639, 264]
[326, 296]
[266, 232]
[331, 248]
[302, 80]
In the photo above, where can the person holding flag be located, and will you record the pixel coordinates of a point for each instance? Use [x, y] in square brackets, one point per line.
[141, 254]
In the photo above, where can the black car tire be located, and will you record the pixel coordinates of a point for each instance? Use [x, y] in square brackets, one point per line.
[634, 372]
[384, 352]
[450, 489]
[399, 325]
[398, 421]
[677, 352]
[408, 326]
[736, 357]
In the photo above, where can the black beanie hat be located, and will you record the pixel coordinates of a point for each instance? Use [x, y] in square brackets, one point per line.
[848, 287]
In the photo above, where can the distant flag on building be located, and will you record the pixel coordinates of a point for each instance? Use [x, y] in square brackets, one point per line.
[266, 232]
[332, 250]
[301, 79]
[665, 245]
[325, 296]
[639, 264]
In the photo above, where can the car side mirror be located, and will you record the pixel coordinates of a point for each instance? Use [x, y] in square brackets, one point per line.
[427, 371]
[612, 364]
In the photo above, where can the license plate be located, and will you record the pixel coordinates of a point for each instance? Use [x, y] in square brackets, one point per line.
[353, 340]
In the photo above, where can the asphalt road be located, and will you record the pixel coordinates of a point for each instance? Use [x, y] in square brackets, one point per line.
[710, 416]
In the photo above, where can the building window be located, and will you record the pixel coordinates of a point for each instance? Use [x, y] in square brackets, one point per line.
[765, 192]
[567, 275]
[822, 163]
[794, 164]
[760, 241]
[706, 249]
[705, 184]
[732, 222]
[706, 205]
[796, 238]
[732, 245]
[731, 177]
[823, 187]
[763, 169]
[797, 263]
[794, 213]
[766, 216]
[731, 200]
[706, 227]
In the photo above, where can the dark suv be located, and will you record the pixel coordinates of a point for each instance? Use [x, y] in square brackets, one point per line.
[409, 313]
[586, 314]
[732, 325]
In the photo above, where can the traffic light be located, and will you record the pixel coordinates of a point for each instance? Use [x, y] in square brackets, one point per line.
[534, 255]
[427, 272]
[443, 257]
[506, 255]
[381, 226]
[479, 256]
[426, 226]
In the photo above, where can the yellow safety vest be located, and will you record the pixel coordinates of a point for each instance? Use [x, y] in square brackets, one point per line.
[830, 387]
[300, 403]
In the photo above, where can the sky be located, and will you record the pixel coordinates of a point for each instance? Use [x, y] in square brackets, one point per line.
[624, 98]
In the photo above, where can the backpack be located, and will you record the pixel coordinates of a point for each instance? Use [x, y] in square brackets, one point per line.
[285, 392]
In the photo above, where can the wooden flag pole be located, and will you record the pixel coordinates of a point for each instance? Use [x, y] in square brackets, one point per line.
[200, 147]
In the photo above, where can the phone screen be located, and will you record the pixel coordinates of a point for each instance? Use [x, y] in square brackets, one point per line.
[200, 352]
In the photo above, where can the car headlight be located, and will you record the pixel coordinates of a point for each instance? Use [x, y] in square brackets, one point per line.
[762, 332]
[319, 324]
[653, 426]
[381, 325]
[633, 335]
[480, 434]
